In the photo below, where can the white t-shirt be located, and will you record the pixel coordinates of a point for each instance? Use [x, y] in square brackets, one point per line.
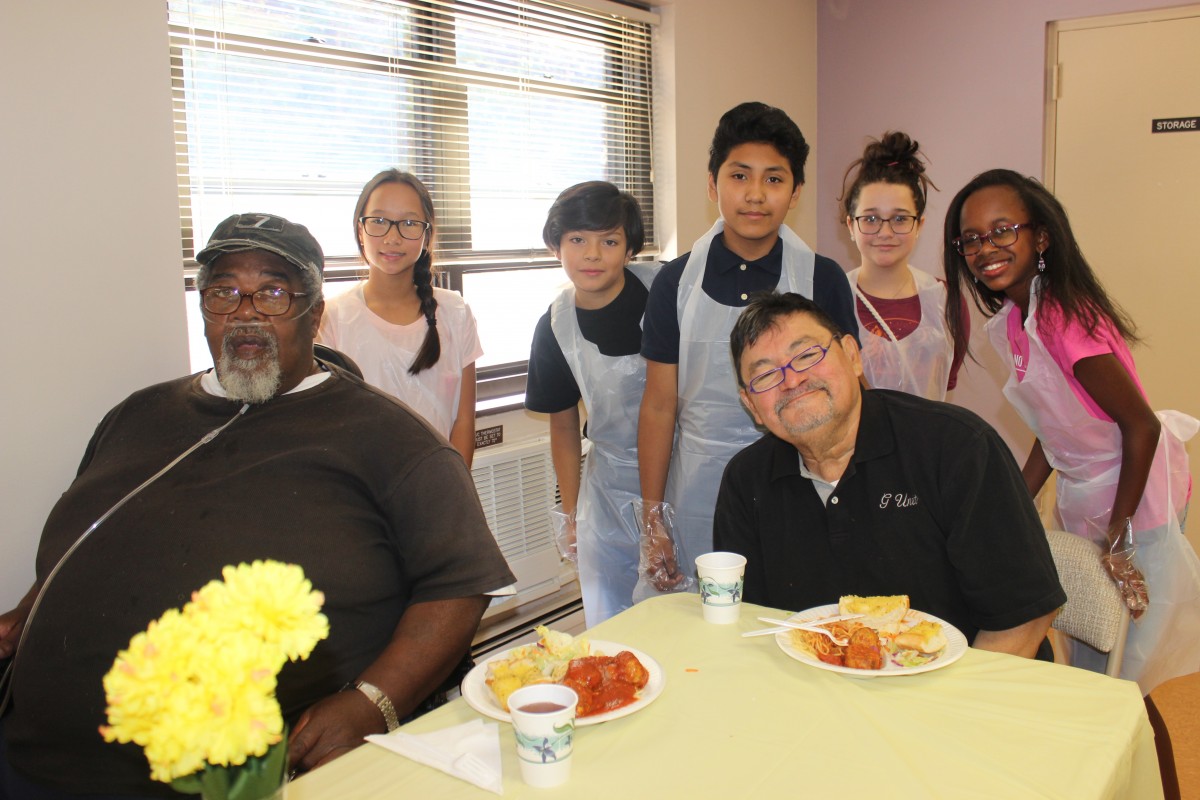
[385, 351]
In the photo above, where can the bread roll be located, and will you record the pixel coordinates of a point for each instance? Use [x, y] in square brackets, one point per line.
[879, 612]
[925, 637]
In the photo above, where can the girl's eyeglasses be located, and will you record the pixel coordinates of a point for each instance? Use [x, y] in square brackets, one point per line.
[408, 228]
[1001, 236]
[871, 224]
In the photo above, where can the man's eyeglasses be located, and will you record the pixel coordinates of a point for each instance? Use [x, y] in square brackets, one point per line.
[873, 223]
[269, 302]
[1001, 236]
[804, 360]
[408, 228]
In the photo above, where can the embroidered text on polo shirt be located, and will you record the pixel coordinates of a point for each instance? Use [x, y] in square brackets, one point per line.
[898, 500]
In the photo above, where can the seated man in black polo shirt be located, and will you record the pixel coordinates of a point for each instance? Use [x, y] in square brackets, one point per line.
[875, 492]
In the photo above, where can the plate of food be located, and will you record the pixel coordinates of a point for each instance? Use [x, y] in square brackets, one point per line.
[888, 639]
[611, 679]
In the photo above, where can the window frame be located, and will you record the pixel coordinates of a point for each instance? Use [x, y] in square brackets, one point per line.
[497, 380]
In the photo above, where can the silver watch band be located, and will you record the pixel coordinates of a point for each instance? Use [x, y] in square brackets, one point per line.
[382, 701]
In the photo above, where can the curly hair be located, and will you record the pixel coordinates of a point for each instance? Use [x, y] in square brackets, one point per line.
[895, 158]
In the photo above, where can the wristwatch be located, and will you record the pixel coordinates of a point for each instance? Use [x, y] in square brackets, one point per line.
[382, 701]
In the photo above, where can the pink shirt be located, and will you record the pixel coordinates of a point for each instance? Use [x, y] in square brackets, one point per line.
[1067, 344]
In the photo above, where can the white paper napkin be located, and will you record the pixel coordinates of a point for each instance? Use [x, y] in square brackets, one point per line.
[470, 751]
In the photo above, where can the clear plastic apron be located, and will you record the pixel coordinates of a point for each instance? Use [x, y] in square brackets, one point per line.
[1086, 453]
[920, 362]
[712, 425]
[605, 529]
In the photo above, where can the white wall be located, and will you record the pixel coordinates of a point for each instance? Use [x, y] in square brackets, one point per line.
[712, 55]
[90, 226]
[963, 77]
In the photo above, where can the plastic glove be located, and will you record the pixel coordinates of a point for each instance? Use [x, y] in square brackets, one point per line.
[564, 533]
[1119, 562]
[658, 560]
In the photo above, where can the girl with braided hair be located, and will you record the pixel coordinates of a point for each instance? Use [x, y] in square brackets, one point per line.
[412, 339]
[900, 310]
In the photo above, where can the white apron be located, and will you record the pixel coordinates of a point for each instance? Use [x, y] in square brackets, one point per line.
[920, 362]
[1086, 452]
[711, 423]
[606, 533]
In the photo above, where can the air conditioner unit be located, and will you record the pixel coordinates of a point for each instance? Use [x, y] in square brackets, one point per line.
[517, 490]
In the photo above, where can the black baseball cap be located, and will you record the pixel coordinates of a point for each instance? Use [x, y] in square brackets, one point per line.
[265, 232]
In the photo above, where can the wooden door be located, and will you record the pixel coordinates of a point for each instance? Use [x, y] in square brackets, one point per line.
[1133, 194]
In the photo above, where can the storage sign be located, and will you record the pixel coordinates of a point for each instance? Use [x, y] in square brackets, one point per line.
[1175, 125]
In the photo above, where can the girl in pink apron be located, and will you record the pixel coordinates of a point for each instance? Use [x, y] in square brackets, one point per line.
[1122, 471]
[901, 310]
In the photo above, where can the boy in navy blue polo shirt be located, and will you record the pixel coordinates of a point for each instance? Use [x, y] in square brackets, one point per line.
[586, 348]
[691, 421]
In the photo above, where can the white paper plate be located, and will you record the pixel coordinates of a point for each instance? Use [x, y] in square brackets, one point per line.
[479, 695]
[956, 645]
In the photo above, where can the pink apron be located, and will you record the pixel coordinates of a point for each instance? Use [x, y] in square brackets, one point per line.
[1086, 453]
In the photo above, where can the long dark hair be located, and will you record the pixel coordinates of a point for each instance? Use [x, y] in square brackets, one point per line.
[431, 347]
[1068, 282]
[894, 159]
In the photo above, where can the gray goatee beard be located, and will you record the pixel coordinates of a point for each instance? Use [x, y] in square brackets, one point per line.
[811, 421]
[250, 380]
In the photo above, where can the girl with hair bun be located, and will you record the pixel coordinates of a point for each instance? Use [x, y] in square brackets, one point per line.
[1123, 478]
[412, 339]
[901, 310]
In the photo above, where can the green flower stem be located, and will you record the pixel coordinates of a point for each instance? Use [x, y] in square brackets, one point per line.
[258, 779]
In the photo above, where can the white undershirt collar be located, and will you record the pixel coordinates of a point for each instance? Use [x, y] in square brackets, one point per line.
[824, 488]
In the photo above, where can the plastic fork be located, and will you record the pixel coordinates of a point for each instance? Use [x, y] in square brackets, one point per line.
[814, 626]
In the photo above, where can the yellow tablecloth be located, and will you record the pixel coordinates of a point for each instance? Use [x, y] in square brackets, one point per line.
[740, 719]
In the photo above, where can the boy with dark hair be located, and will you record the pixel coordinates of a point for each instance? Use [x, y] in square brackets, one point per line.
[691, 420]
[586, 347]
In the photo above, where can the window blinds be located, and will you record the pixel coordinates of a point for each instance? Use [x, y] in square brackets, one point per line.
[290, 106]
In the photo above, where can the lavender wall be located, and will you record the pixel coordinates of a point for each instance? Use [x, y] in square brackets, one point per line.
[963, 77]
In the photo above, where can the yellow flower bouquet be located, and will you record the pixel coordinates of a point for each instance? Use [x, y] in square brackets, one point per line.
[196, 689]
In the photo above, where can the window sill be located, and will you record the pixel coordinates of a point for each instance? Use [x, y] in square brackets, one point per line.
[499, 405]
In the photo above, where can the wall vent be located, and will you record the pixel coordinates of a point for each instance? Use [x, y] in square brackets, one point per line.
[517, 489]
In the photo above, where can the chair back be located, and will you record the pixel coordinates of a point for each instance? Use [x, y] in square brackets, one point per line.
[337, 358]
[1095, 612]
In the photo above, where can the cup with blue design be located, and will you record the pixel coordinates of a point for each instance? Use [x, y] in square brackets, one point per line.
[543, 718]
[721, 577]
